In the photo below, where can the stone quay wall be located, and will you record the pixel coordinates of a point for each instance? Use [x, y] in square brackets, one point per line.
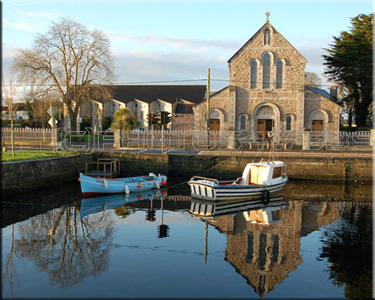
[42, 172]
[324, 167]
[52, 171]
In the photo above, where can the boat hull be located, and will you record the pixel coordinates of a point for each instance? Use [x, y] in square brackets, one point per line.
[94, 186]
[226, 191]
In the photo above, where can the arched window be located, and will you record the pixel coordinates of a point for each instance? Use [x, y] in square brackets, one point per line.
[253, 74]
[279, 74]
[288, 123]
[266, 70]
[243, 120]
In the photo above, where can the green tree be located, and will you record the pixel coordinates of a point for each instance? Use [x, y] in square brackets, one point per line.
[349, 64]
[125, 120]
[69, 59]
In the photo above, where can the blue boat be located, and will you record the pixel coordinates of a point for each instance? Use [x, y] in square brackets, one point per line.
[92, 186]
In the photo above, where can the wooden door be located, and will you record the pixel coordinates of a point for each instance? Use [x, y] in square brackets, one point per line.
[264, 125]
[215, 124]
[317, 125]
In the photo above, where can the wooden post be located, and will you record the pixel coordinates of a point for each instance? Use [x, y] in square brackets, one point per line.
[208, 108]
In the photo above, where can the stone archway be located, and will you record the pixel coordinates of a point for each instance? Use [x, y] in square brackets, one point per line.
[266, 118]
[317, 122]
[216, 120]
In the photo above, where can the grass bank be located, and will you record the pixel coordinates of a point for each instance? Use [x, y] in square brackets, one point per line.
[37, 154]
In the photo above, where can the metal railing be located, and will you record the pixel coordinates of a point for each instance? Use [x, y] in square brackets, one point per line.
[91, 140]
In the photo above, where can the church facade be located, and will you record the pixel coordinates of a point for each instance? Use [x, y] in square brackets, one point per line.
[267, 92]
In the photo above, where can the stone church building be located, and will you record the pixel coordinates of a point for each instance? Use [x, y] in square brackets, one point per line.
[267, 92]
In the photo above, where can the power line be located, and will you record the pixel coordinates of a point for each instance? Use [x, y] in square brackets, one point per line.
[170, 81]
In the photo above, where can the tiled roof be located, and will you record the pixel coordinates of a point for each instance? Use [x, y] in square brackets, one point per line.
[167, 93]
[321, 92]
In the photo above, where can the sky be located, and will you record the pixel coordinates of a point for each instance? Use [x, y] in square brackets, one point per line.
[176, 42]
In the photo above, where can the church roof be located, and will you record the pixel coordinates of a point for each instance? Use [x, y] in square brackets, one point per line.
[268, 24]
[321, 92]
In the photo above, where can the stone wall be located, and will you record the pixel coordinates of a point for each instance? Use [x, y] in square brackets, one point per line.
[298, 167]
[183, 122]
[43, 172]
[52, 171]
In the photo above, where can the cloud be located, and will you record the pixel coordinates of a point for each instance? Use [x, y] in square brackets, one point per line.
[313, 50]
[174, 68]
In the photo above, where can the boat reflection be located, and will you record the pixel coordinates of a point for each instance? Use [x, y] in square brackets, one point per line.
[99, 204]
[263, 241]
[254, 211]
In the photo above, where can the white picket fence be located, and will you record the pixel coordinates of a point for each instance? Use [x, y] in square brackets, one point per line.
[30, 135]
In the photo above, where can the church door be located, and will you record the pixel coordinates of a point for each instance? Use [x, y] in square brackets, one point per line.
[317, 125]
[215, 124]
[264, 125]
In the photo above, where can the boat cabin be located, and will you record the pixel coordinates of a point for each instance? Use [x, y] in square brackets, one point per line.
[262, 173]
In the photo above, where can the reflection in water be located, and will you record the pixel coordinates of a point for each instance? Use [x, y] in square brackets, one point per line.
[73, 242]
[98, 204]
[264, 242]
[70, 243]
[65, 247]
[348, 247]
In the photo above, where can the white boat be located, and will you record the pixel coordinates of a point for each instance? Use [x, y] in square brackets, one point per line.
[259, 180]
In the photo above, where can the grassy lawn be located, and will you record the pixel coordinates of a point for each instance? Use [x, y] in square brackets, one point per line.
[27, 155]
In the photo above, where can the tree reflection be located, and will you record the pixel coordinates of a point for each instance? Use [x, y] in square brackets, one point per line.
[10, 270]
[64, 246]
[348, 247]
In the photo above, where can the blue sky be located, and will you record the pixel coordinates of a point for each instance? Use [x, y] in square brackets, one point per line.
[174, 41]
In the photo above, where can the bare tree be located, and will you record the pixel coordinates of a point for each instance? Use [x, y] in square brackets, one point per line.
[9, 98]
[312, 79]
[38, 103]
[68, 59]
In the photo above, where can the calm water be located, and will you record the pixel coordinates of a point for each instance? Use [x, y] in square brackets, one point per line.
[314, 242]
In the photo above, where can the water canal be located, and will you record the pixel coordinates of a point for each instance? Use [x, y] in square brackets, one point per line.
[314, 242]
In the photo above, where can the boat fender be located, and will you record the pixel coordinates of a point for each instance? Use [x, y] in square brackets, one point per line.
[266, 197]
[126, 189]
[105, 183]
[157, 184]
[163, 182]
[139, 185]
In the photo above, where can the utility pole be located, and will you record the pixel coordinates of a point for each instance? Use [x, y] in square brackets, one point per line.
[208, 108]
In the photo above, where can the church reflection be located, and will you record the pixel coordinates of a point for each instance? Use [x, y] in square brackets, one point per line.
[264, 242]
